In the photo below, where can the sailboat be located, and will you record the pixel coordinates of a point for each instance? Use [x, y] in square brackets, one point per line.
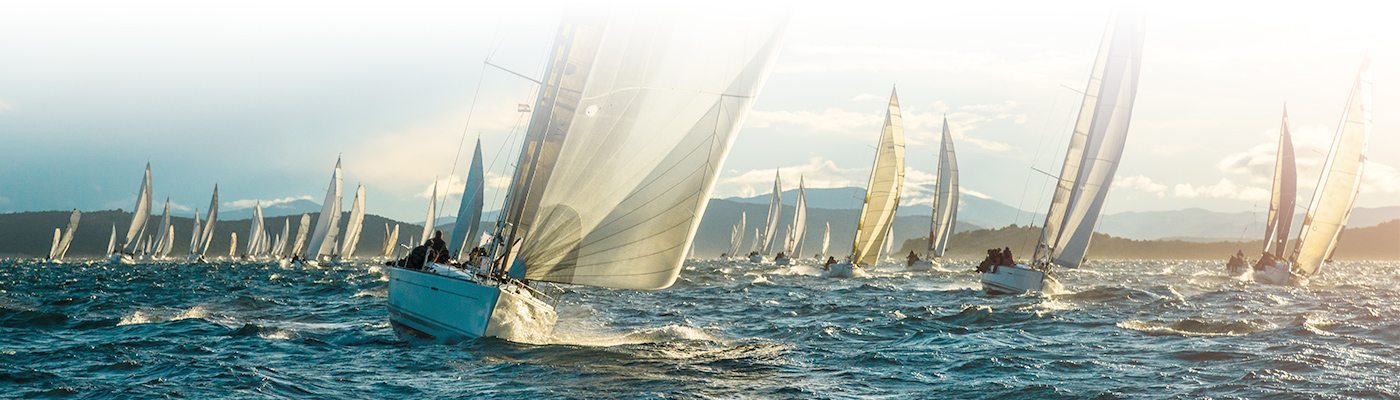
[232, 245]
[793, 245]
[137, 229]
[1336, 193]
[576, 213]
[206, 232]
[255, 233]
[112, 240]
[323, 237]
[354, 225]
[770, 228]
[62, 239]
[1281, 203]
[826, 243]
[945, 205]
[1095, 148]
[881, 197]
[466, 231]
[391, 241]
[164, 238]
[736, 235]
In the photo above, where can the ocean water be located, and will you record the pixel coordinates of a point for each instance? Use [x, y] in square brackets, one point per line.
[1134, 329]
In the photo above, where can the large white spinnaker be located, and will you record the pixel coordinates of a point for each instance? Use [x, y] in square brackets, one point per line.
[355, 224]
[799, 220]
[945, 203]
[1284, 195]
[1340, 181]
[1095, 147]
[633, 121]
[883, 190]
[330, 216]
[775, 213]
[466, 232]
[67, 240]
[139, 215]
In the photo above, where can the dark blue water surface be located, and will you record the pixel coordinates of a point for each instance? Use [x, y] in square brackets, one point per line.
[725, 330]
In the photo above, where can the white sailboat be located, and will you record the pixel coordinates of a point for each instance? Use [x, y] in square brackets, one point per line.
[1336, 192]
[945, 205]
[163, 236]
[137, 229]
[1281, 204]
[63, 242]
[255, 233]
[770, 227]
[323, 237]
[299, 244]
[206, 232]
[112, 240]
[1092, 159]
[466, 232]
[736, 235]
[232, 245]
[53, 245]
[354, 225]
[881, 197]
[826, 243]
[792, 247]
[575, 214]
[391, 241]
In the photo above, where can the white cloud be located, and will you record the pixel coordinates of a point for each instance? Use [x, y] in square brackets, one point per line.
[1223, 189]
[1140, 182]
[266, 203]
[1375, 178]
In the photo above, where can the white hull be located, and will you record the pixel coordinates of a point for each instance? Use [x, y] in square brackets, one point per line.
[1279, 274]
[1013, 280]
[756, 258]
[924, 265]
[782, 261]
[122, 259]
[455, 307]
[843, 270]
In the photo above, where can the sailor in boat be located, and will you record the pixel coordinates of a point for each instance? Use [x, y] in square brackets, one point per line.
[1264, 260]
[829, 261]
[780, 255]
[912, 257]
[1007, 258]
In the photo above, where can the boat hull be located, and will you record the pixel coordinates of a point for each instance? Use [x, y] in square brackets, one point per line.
[756, 258]
[1279, 274]
[122, 259]
[453, 308]
[1016, 279]
[782, 261]
[923, 265]
[843, 270]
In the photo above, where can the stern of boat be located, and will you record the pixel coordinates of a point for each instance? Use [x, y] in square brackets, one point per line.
[1016, 279]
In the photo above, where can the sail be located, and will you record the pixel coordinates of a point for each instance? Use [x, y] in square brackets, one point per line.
[255, 230]
[112, 240]
[162, 238]
[232, 243]
[53, 247]
[68, 232]
[889, 242]
[736, 236]
[169, 241]
[195, 231]
[354, 225]
[945, 201]
[207, 237]
[826, 240]
[1340, 181]
[753, 247]
[329, 248]
[775, 213]
[799, 219]
[667, 96]
[1285, 194]
[330, 214]
[302, 227]
[391, 241]
[139, 215]
[281, 248]
[466, 232]
[1095, 146]
[883, 190]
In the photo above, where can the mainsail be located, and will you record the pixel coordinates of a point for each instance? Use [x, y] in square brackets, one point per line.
[799, 220]
[53, 246]
[1340, 182]
[1285, 194]
[300, 243]
[466, 232]
[164, 238]
[139, 216]
[432, 215]
[391, 240]
[207, 237]
[883, 190]
[68, 232]
[736, 236]
[112, 240]
[945, 203]
[232, 243]
[630, 128]
[354, 225]
[1095, 147]
[775, 213]
[255, 230]
[826, 240]
[330, 216]
[194, 233]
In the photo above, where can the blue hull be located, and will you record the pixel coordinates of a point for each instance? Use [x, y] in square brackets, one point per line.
[439, 308]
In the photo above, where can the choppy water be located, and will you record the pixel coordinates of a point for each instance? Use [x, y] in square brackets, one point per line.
[1120, 330]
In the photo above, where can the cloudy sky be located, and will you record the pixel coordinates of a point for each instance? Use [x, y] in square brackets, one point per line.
[262, 96]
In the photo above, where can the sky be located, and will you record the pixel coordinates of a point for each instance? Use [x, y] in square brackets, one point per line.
[261, 97]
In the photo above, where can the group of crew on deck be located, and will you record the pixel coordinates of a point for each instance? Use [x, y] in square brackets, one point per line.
[996, 258]
[1238, 261]
[435, 250]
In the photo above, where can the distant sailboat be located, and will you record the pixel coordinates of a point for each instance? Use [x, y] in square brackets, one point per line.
[945, 204]
[826, 243]
[736, 235]
[1095, 148]
[299, 244]
[354, 225]
[1283, 200]
[1336, 192]
[792, 247]
[63, 242]
[328, 221]
[466, 232]
[112, 240]
[255, 233]
[775, 214]
[575, 212]
[163, 237]
[232, 244]
[881, 197]
[137, 229]
[391, 241]
[53, 245]
[206, 232]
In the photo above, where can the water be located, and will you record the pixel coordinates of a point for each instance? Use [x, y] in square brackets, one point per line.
[1119, 330]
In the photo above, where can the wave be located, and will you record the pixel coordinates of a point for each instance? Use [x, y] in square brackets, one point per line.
[145, 317]
[1195, 327]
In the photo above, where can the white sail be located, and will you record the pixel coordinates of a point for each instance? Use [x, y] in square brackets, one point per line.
[169, 241]
[1284, 196]
[466, 232]
[945, 204]
[826, 240]
[333, 233]
[207, 236]
[139, 215]
[194, 233]
[232, 243]
[1095, 147]
[736, 236]
[889, 242]
[354, 225]
[281, 249]
[775, 213]
[112, 240]
[432, 215]
[67, 241]
[391, 241]
[53, 246]
[883, 190]
[330, 214]
[163, 239]
[255, 230]
[799, 220]
[300, 243]
[665, 98]
[1340, 181]
[753, 247]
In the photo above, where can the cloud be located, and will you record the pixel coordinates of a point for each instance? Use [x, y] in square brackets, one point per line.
[1143, 183]
[1223, 189]
[1375, 178]
[266, 203]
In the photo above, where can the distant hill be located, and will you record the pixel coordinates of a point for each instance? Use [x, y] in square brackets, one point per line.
[294, 207]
